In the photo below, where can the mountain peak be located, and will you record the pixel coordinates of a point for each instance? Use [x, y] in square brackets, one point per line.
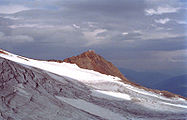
[89, 53]
[92, 61]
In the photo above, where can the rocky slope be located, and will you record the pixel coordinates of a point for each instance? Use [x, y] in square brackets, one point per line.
[29, 94]
[41, 90]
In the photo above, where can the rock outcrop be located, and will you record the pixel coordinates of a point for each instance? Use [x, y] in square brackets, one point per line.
[90, 60]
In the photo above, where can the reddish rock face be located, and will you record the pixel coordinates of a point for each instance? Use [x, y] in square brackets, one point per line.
[90, 60]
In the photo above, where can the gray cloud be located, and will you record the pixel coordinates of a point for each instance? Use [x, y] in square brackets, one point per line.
[15, 38]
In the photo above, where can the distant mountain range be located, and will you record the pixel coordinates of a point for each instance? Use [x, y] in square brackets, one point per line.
[176, 85]
[156, 80]
[147, 79]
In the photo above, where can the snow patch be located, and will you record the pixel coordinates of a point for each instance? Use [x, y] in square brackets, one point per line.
[111, 95]
[175, 105]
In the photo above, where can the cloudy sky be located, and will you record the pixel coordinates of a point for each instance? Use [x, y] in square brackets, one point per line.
[143, 35]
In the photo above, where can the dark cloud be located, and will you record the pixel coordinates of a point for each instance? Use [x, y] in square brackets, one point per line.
[167, 44]
[106, 7]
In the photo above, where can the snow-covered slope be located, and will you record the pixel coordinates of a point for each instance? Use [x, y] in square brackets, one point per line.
[42, 90]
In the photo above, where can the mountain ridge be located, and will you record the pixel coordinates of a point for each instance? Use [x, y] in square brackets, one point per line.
[34, 89]
[92, 57]
[92, 61]
[176, 84]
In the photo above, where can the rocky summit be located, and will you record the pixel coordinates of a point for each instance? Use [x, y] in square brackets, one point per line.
[92, 61]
